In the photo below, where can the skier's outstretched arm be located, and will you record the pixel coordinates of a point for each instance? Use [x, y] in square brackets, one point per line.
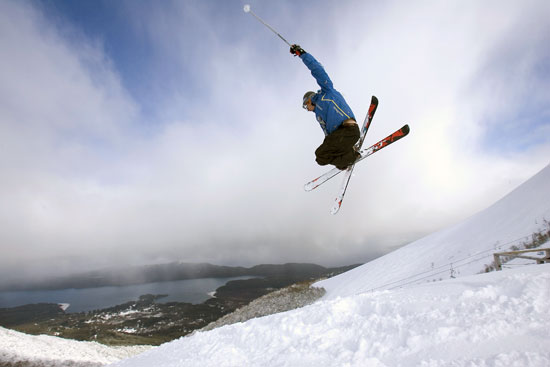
[314, 66]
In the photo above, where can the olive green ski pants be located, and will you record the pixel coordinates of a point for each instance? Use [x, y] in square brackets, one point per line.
[337, 148]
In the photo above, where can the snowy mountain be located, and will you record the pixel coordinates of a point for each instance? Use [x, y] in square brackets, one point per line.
[463, 249]
[495, 319]
[393, 311]
[379, 314]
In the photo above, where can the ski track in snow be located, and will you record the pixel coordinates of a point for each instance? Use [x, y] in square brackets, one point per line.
[496, 319]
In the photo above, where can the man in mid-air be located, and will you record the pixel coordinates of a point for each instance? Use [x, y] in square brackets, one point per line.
[333, 114]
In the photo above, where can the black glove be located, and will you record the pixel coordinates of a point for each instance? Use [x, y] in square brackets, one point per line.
[296, 50]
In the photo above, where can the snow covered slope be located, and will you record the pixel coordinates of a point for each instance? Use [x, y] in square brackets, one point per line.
[20, 349]
[388, 312]
[494, 319]
[460, 250]
[379, 314]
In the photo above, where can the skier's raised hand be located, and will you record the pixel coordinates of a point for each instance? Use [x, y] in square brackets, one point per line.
[296, 50]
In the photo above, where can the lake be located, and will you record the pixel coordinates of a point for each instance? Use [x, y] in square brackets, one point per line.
[190, 290]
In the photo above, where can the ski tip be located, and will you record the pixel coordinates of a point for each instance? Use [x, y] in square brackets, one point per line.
[405, 129]
[336, 207]
[374, 100]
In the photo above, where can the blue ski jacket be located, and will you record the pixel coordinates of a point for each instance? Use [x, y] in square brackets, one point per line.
[330, 107]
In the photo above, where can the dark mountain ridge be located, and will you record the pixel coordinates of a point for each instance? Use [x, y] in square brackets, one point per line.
[170, 272]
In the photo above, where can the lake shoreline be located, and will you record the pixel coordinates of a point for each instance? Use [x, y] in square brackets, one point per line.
[194, 291]
[146, 321]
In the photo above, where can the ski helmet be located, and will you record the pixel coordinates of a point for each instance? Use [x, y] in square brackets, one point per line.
[307, 97]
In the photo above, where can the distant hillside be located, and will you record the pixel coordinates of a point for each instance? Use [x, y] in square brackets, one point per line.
[173, 271]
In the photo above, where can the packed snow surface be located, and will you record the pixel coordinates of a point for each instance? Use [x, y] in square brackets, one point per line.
[44, 350]
[494, 319]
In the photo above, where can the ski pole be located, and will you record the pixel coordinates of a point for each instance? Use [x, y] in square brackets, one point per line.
[247, 10]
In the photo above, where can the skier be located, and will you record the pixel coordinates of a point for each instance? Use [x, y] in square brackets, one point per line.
[333, 114]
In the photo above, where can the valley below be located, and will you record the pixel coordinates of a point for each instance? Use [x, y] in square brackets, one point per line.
[148, 320]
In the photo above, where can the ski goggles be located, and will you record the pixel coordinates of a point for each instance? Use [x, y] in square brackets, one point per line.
[307, 97]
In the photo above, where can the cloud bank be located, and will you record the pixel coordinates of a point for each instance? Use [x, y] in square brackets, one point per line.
[203, 156]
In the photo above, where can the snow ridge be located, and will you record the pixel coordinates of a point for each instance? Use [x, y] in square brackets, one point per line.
[43, 350]
[495, 319]
[463, 249]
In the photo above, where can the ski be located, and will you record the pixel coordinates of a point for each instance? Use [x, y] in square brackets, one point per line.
[349, 170]
[364, 154]
[392, 138]
[343, 188]
[315, 183]
[366, 124]
[368, 119]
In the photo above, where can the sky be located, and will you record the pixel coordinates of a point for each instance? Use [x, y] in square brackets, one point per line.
[138, 132]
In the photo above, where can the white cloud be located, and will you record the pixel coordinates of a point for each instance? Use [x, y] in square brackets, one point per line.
[220, 178]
